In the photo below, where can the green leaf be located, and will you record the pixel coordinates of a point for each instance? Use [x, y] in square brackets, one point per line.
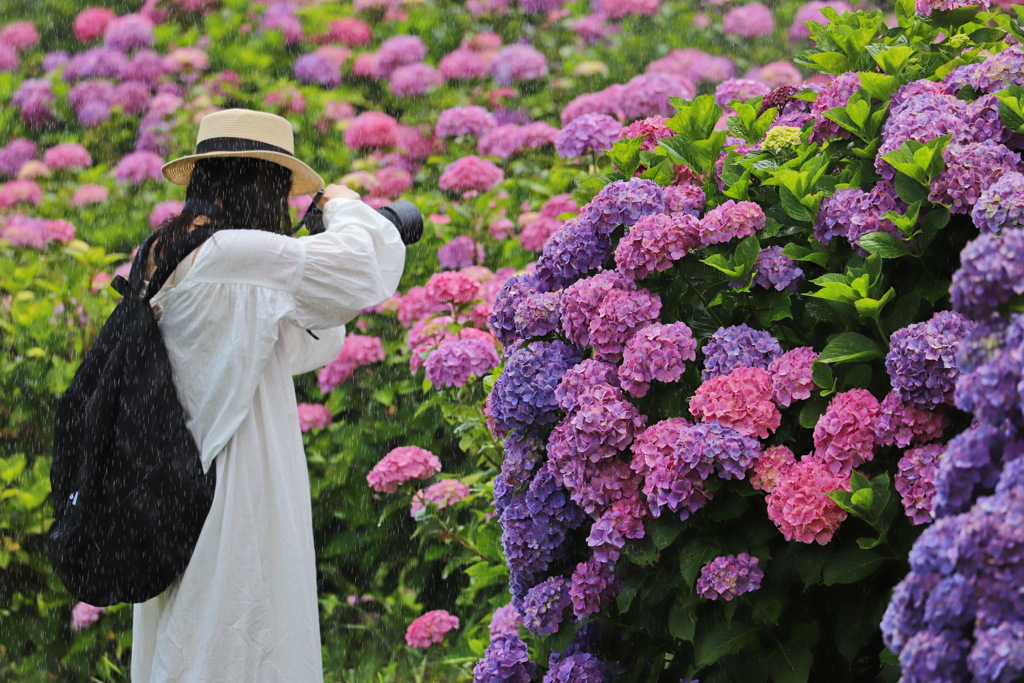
[800, 253]
[879, 86]
[682, 620]
[911, 190]
[792, 206]
[625, 155]
[791, 663]
[850, 346]
[850, 565]
[884, 244]
[664, 530]
[813, 409]
[725, 638]
[833, 63]
[893, 59]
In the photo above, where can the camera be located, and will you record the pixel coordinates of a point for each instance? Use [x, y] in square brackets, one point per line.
[403, 215]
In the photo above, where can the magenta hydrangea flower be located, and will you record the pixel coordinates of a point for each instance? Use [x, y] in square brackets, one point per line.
[774, 463]
[538, 315]
[19, 35]
[731, 220]
[619, 315]
[129, 32]
[89, 194]
[470, 174]
[505, 620]
[84, 615]
[651, 129]
[740, 400]
[399, 51]
[922, 362]
[603, 423]
[655, 242]
[501, 141]
[648, 95]
[138, 167]
[811, 11]
[729, 576]
[581, 300]
[349, 31]
[430, 628]
[516, 63]
[902, 424]
[748, 21]
[537, 232]
[1000, 71]
[657, 352]
[623, 519]
[460, 252]
[844, 436]
[742, 89]
[619, 9]
[791, 375]
[20, 192]
[414, 79]
[738, 346]
[15, 154]
[1001, 204]
[775, 270]
[400, 465]
[926, 7]
[442, 494]
[463, 64]
[468, 120]
[970, 169]
[452, 287]
[313, 416]
[587, 134]
[592, 586]
[316, 68]
[915, 480]
[163, 211]
[579, 379]
[835, 94]
[455, 361]
[799, 504]
[357, 351]
[91, 22]
[686, 198]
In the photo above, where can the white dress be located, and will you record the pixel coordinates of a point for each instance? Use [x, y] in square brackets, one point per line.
[245, 610]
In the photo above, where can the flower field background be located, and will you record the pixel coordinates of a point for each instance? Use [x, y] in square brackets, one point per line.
[708, 367]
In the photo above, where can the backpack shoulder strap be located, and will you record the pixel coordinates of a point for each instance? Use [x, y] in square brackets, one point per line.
[134, 285]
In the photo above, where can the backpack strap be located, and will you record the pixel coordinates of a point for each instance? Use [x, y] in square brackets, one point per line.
[133, 286]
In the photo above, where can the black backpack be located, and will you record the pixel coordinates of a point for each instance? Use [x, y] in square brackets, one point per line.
[129, 493]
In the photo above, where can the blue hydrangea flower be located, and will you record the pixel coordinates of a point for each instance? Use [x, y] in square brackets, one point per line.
[738, 346]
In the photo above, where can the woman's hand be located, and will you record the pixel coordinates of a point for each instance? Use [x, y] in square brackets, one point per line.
[337, 192]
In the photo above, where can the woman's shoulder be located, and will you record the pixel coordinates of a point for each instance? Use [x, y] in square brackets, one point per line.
[248, 257]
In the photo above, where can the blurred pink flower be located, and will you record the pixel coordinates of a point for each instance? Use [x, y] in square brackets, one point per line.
[32, 169]
[19, 35]
[23, 231]
[430, 628]
[138, 167]
[812, 12]
[187, 59]
[100, 281]
[89, 194]
[164, 210]
[617, 9]
[413, 79]
[129, 32]
[91, 22]
[14, 155]
[749, 21]
[357, 351]
[20, 192]
[443, 493]
[84, 615]
[349, 31]
[60, 230]
[400, 465]
[313, 416]
[451, 287]
[371, 129]
[470, 174]
[775, 74]
[288, 99]
[67, 155]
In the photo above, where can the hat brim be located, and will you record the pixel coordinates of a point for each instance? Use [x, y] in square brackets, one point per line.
[304, 179]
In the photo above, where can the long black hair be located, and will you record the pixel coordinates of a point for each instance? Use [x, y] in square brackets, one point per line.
[236, 193]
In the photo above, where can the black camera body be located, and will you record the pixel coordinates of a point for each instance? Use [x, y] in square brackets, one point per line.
[403, 214]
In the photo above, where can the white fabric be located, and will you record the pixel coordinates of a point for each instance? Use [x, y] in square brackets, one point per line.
[234, 325]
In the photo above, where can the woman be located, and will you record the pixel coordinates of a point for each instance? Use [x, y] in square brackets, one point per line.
[242, 314]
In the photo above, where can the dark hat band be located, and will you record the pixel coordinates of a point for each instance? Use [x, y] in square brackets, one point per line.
[226, 144]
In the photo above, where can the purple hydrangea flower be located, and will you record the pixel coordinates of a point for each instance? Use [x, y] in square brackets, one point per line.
[531, 545]
[137, 167]
[34, 99]
[924, 113]
[969, 466]
[14, 155]
[648, 95]
[657, 352]
[581, 300]
[729, 576]
[128, 32]
[775, 270]
[538, 315]
[623, 202]
[460, 252]
[1000, 71]
[1001, 204]
[669, 481]
[453, 362]
[835, 94]
[593, 585]
[581, 667]
[741, 89]
[399, 51]
[587, 134]
[970, 169]
[791, 375]
[506, 660]
[686, 198]
[524, 395]
[731, 220]
[603, 423]
[318, 69]
[516, 63]
[463, 64]
[575, 250]
[619, 316]
[901, 424]
[992, 391]
[991, 274]
[738, 346]
[414, 79]
[915, 481]
[545, 605]
[852, 213]
[579, 379]
[922, 359]
[997, 654]
[515, 290]
[621, 520]
[934, 656]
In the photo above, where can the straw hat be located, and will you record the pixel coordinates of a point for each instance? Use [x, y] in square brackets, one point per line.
[246, 133]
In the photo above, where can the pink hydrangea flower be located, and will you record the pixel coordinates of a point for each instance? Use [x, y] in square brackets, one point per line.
[505, 620]
[791, 375]
[129, 32]
[669, 481]
[470, 174]
[811, 11]
[430, 628]
[749, 21]
[443, 493]
[20, 192]
[19, 35]
[451, 287]
[371, 129]
[731, 220]
[537, 232]
[138, 167]
[349, 31]
[915, 480]
[455, 361]
[740, 400]
[655, 242]
[400, 465]
[89, 194]
[799, 504]
[618, 9]
[92, 22]
[84, 615]
[844, 437]
[774, 463]
[657, 352]
[357, 351]
[313, 416]
[415, 305]
[621, 314]
[60, 230]
[902, 424]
